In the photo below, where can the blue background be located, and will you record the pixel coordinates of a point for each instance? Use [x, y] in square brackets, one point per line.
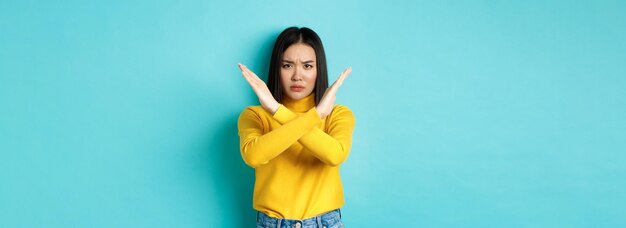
[468, 113]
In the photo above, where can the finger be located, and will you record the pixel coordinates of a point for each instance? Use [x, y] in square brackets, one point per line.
[342, 77]
[248, 74]
[253, 79]
[243, 69]
[347, 70]
[245, 73]
[251, 76]
[345, 74]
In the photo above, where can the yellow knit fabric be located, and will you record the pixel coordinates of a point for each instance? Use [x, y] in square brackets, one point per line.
[296, 156]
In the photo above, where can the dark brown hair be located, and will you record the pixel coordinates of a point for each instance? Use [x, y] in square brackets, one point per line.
[288, 37]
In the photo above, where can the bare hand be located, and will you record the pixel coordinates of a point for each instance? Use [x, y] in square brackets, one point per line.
[260, 88]
[326, 104]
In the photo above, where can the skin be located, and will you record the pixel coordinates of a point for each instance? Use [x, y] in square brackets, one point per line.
[298, 57]
[298, 67]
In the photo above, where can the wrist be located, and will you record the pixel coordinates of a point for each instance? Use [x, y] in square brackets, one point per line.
[273, 107]
[320, 112]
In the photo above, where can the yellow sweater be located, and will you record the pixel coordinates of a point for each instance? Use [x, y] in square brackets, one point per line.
[296, 156]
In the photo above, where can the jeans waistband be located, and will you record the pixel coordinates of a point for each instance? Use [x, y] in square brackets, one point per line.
[276, 222]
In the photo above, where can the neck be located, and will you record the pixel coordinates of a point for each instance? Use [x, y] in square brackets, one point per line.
[301, 105]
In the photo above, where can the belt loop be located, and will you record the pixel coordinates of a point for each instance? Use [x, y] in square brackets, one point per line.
[278, 223]
[319, 221]
[339, 210]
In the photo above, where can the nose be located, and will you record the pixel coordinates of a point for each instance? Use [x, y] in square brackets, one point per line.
[296, 74]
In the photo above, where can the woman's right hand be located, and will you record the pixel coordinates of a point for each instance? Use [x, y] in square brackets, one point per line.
[260, 88]
[326, 104]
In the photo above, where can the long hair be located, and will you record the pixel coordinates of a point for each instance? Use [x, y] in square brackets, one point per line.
[288, 37]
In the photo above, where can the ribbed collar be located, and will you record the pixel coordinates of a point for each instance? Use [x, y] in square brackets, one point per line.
[301, 105]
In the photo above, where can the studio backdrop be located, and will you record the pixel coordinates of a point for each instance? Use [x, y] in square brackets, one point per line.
[468, 113]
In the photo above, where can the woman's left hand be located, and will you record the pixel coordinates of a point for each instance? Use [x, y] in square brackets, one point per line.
[260, 88]
[328, 100]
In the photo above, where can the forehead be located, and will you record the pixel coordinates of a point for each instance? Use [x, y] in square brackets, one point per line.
[300, 52]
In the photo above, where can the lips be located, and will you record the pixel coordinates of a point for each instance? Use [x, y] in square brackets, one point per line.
[296, 88]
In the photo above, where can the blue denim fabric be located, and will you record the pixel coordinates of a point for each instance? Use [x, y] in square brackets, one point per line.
[331, 219]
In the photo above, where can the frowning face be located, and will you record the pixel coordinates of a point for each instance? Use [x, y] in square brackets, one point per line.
[298, 71]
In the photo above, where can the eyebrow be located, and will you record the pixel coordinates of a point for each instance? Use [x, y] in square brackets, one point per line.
[289, 61]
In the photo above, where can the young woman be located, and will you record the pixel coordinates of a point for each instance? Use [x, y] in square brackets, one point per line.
[297, 138]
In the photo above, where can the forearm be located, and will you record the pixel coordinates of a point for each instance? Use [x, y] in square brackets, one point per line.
[330, 149]
[257, 149]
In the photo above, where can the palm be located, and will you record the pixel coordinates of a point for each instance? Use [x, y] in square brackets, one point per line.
[326, 104]
[260, 88]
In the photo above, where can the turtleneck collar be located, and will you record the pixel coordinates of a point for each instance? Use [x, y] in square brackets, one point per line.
[301, 105]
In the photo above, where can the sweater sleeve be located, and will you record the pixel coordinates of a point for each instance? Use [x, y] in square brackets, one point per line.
[333, 147]
[258, 148]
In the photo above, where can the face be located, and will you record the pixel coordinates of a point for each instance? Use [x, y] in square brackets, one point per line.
[298, 71]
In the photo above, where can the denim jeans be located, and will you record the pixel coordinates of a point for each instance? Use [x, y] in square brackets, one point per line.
[331, 219]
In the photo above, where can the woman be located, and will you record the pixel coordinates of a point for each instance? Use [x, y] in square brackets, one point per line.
[297, 138]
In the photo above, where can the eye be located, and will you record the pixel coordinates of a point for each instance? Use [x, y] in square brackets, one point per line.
[308, 66]
[286, 66]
